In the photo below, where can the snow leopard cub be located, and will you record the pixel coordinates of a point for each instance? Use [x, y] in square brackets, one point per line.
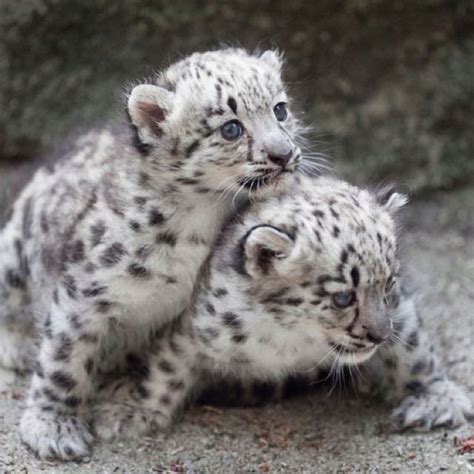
[309, 279]
[107, 246]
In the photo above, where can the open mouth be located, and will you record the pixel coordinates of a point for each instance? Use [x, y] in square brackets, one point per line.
[357, 349]
[267, 178]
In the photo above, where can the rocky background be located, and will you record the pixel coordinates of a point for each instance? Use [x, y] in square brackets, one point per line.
[388, 85]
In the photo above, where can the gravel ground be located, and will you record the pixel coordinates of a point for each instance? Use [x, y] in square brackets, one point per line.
[317, 432]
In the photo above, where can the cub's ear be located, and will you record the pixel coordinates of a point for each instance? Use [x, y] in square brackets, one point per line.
[273, 58]
[148, 106]
[391, 200]
[264, 246]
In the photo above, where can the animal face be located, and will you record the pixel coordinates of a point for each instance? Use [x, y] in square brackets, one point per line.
[219, 122]
[324, 261]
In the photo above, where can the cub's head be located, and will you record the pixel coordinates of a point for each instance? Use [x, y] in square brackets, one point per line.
[322, 260]
[218, 122]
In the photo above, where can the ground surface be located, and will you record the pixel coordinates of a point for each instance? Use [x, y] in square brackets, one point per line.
[315, 433]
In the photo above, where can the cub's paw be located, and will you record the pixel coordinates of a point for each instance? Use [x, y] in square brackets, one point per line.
[122, 420]
[441, 403]
[51, 435]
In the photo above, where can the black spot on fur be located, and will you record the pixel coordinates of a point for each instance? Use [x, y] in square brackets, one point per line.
[192, 148]
[412, 341]
[102, 306]
[50, 395]
[166, 238]
[210, 308]
[379, 239]
[38, 369]
[334, 213]
[155, 217]
[64, 349]
[142, 391]
[415, 386]
[89, 337]
[165, 399]
[112, 255]
[336, 231]
[232, 104]
[239, 338]
[94, 290]
[231, 319]
[166, 366]
[97, 232]
[140, 201]
[134, 225]
[418, 367]
[138, 271]
[73, 319]
[293, 301]
[72, 401]
[89, 365]
[14, 280]
[76, 252]
[355, 276]
[63, 380]
[70, 286]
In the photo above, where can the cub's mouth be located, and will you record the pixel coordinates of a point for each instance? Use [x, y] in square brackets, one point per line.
[353, 354]
[266, 178]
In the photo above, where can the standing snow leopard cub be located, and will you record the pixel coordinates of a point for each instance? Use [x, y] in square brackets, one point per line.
[306, 280]
[106, 247]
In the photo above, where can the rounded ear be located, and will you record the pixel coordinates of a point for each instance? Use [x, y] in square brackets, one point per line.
[391, 200]
[273, 58]
[148, 106]
[263, 246]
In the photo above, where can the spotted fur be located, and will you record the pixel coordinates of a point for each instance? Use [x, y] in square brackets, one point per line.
[266, 315]
[105, 248]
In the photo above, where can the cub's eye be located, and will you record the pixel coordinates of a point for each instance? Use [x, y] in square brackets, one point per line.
[280, 111]
[232, 130]
[343, 299]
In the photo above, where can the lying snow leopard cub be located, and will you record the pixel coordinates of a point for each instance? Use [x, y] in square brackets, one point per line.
[107, 246]
[305, 280]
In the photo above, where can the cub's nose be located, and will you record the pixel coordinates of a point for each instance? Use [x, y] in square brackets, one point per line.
[280, 159]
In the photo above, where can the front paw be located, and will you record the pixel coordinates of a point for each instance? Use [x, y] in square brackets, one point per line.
[122, 420]
[52, 435]
[442, 403]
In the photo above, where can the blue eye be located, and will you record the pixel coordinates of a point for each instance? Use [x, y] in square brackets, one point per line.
[280, 111]
[343, 299]
[232, 130]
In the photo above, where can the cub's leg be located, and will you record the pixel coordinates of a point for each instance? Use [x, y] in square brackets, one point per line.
[63, 379]
[408, 371]
[16, 322]
[129, 406]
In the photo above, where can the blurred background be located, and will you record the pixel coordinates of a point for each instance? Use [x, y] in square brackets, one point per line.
[387, 85]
